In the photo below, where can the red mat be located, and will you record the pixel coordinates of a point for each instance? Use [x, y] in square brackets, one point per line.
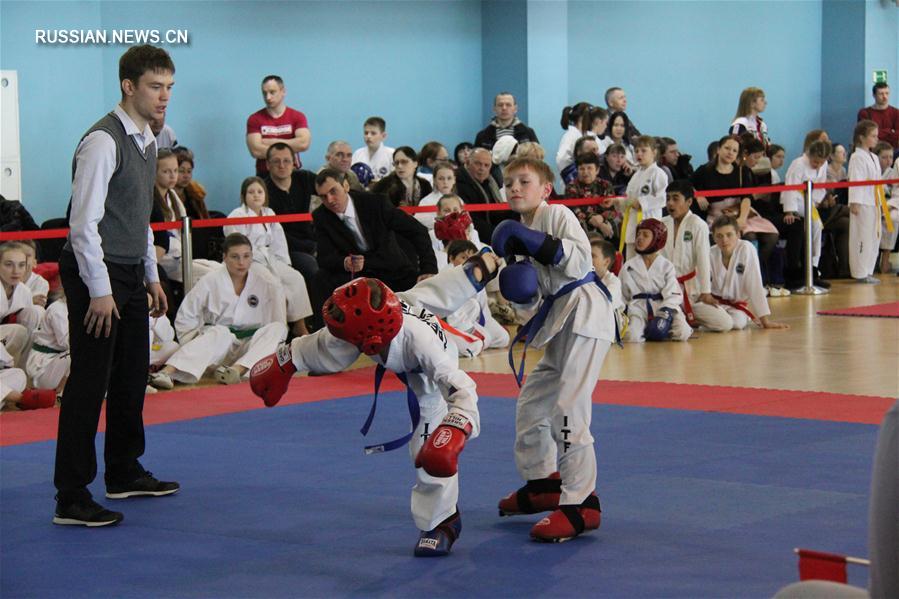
[172, 406]
[890, 310]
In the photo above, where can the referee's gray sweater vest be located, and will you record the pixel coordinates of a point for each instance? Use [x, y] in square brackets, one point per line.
[129, 198]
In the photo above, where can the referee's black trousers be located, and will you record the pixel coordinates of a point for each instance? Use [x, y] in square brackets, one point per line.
[113, 367]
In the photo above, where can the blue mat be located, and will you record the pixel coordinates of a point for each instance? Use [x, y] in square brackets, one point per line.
[282, 503]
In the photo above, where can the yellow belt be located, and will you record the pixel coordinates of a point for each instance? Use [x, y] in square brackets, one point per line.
[881, 199]
[627, 217]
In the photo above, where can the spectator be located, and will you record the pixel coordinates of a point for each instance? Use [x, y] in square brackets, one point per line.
[270, 249]
[748, 118]
[603, 218]
[431, 153]
[616, 169]
[886, 117]
[475, 186]
[375, 154]
[576, 123]
[676, 165]
[619, 124]
[599, 122]
[276, 123]
[725, 173]
[505, 122]
[339, 155]
[14, 216]
[888, 238]
[290, 192]
[444, 184]
[190, 191]
[165, 135]
[403, 186]
[616, 101]
[356, 234]
[220, 329]
[835, 253]
[836, 166]
[461, 153]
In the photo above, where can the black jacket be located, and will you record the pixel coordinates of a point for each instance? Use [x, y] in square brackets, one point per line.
[302, 188]
[486, 137]
[381, 223]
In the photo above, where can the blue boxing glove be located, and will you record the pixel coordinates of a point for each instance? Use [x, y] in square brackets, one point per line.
[659, 328]
[512, 237]
[518, 282]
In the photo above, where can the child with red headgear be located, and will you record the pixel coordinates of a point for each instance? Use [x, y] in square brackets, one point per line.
[402, 334]
[651, 291]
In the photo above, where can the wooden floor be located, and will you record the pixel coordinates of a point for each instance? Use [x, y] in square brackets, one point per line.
[839, 354]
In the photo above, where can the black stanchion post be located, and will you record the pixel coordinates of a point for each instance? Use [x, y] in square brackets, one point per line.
[809, 288]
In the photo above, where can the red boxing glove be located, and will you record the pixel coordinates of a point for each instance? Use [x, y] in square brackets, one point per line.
[439, 456]
[270, 376]
[38, 399]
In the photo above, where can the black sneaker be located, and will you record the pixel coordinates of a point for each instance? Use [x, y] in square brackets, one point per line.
[145, 486]
[86, 513]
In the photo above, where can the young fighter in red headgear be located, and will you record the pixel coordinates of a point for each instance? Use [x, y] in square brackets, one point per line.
[402, 334]
[651, 291]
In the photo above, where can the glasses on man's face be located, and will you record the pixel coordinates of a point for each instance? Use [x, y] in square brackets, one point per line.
[402, 162]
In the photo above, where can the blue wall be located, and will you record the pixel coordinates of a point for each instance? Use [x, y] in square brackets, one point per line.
[882, 44]
[843, 87]
[683, 65]
[504, 54]
[417, 64]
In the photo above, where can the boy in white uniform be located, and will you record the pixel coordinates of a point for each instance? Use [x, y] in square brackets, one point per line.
[13, 383]
[811, 166]
[650, 289]
[39, 286]
[687, 247]
[374, 153]
[864, 208]
[401, 334]
[472, 327]
[645, 193]
[231, 318]
[888, 235]
[737, 278]
[48, 362]
[575, 323]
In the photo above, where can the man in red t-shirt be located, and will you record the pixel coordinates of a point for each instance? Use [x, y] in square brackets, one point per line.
[276, 123]
[886, 116]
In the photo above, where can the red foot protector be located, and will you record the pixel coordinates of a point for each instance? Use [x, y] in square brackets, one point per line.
[439, 456]
[568, 521]
[538, 495]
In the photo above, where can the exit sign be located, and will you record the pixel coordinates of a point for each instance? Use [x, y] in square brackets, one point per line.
[880, 76]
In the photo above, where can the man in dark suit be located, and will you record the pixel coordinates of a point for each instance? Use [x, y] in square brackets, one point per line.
[475, 186]
[356, 235]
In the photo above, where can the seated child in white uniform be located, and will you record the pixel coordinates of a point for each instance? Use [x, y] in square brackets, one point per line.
[811, 166]
[49, 361]
[472, 327]
[232, 317]
[40, 287]
[649, 286]
[444, 184]
[19, 316]
[736, 277]
[688, 249]
[603, 253]
[401, 333]
[270, 250]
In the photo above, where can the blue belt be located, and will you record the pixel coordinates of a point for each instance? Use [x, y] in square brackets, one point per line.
[648, 297]
[414, 414]
[529, 330]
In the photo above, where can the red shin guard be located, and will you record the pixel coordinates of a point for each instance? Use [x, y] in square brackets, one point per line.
[539, 495]
[36, 399]
[569, 521]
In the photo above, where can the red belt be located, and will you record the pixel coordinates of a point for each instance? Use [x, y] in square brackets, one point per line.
[470, 338]
[688, 309]
[739, 305]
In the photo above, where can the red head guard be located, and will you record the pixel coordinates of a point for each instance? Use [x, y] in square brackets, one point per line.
[452, 226]
[368, 328]
[659, 235]
[50, 271]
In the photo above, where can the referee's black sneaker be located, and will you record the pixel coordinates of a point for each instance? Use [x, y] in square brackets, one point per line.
[146, 485]
[86, 512]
